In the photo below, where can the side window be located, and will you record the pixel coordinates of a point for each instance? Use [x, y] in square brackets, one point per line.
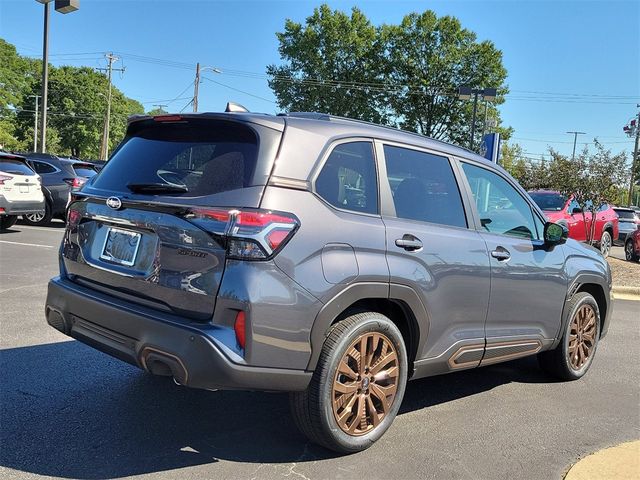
[423, 187]
[572, 205]
[501, 208]
[41, 167]
[603, 207]
[348, 178]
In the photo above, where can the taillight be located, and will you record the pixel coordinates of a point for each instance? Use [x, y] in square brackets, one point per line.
[76, 182]
[250, 234]
[4, 178]
[240, 329]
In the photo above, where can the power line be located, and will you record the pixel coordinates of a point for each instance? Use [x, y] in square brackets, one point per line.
[241, 91]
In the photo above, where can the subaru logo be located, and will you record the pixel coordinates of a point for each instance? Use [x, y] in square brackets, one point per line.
[114, 202]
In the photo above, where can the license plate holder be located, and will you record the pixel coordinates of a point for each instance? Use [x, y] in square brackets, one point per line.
[120, 246]
[24, 188]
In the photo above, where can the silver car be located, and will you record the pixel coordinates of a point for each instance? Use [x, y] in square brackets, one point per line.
[327, 257]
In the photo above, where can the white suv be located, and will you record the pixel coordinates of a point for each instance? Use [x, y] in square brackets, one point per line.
[20, 190]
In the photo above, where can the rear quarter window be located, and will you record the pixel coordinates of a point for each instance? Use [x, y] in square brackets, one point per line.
[84, 170]
[203, 157]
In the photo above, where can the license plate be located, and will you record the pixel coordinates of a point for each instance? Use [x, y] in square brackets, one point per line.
[24, 188]
[120, 246]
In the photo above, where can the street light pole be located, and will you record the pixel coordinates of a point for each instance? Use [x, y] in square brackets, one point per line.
[575, 140]
[196, 84]
[45, 79]
[488, 94]
[634, 160]
[62, 6]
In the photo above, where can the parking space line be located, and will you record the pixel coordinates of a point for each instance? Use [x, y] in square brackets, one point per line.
[27, 244]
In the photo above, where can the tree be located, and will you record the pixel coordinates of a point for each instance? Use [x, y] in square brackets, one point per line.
[157, 111]
[329, 64]
[428, 58]
[77, 106]
[404, 75]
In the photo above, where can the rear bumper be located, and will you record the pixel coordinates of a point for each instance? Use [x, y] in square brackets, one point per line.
[20, 207]
[189, 352]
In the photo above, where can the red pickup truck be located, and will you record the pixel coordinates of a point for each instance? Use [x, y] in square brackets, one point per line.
[565, 210]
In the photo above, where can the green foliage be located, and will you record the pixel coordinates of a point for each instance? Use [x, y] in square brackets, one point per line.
[157, 111]
[77, 106]
[405, 75]
[328, 63]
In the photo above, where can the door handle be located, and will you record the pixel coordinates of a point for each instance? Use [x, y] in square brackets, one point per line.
[501, 254]
[409, 243]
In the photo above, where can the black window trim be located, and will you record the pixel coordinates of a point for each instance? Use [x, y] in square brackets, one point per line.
[388, 208]
[324, 156]
[535, 210]
[56, 169]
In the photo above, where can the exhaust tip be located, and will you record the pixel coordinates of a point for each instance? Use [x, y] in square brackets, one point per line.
[165, 364]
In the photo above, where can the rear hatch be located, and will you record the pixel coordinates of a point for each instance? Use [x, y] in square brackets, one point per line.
[137, 230]
[18, 182]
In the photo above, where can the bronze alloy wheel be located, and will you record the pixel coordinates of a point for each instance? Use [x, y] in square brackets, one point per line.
[365, 384]
[582, 336]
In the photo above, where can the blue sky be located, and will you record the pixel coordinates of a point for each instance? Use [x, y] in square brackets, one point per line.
[573, 65]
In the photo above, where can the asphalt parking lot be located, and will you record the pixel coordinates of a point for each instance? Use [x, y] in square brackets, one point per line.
[69, 411]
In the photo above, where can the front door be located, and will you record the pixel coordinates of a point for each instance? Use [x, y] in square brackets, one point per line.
[431, 248]
[528, 285]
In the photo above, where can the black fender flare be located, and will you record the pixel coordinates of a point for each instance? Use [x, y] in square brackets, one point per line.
[578, 281]
[405, 295]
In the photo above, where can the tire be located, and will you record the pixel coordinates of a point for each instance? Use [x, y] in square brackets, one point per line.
[605, 244]
[629, 253]
[313, 410]
[38, 218]
[7, 221]
[571, 364]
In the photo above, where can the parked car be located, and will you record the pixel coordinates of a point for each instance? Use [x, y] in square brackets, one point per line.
[632, 247]
[59, 178]
[20, 190]
[364, 257]
[567, 212]
[628, 222]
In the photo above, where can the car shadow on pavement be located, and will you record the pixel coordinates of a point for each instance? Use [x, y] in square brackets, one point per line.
[67, 410]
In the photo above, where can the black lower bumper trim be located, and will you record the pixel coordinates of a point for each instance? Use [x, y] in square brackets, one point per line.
[155, 344]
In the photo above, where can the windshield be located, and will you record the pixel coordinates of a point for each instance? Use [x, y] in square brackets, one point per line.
[549, 201]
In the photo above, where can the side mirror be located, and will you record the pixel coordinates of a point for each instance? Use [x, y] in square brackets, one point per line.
[555, 234]
[576, 210]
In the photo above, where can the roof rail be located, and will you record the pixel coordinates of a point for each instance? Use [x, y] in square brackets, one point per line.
[328, 117]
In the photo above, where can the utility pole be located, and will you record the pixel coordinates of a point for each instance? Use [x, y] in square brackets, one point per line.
[575, 139]
[634, 160]
[195, 88]
[35, 124]
[104, 149]
[161, 106]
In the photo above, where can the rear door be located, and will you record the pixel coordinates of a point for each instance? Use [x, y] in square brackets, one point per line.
[18, 183]
[528, 284]
[433, 248]
[143, 230]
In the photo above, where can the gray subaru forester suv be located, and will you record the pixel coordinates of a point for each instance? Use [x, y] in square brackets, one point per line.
[327, 257]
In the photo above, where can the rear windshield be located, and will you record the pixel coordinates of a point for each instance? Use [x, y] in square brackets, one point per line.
[190, 159]
[84, 170]
[549, 201]
[626, 214]
[17, 167]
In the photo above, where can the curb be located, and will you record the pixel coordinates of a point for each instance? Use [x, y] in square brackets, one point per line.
[615, 463]
[625, 293]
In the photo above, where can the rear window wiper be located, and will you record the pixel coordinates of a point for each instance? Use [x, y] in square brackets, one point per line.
[156, 188]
